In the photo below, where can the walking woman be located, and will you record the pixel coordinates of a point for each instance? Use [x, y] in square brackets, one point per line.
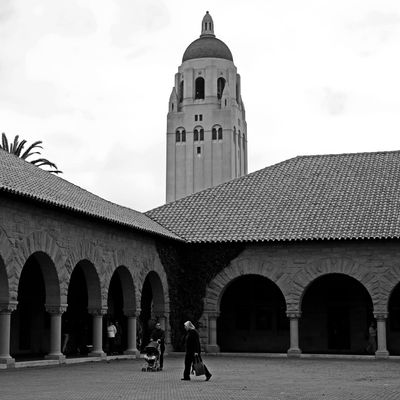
[192, 347]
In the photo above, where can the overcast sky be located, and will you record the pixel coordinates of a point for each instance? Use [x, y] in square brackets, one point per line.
[92, 79]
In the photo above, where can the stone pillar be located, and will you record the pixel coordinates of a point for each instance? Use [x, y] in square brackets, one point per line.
[97, 314]
[5, 324]
[212, 346]
[131, 333]
[382, 351]
[55, 332]
[294, 350]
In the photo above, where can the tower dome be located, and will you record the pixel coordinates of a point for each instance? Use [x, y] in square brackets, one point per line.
[207, 46]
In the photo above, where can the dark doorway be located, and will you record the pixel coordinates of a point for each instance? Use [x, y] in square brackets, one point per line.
[338, 328]
[79, 320]
[336, 312]
[30, 321]
[253, 317]
[115, 313]
[393, 326]
[146, 320]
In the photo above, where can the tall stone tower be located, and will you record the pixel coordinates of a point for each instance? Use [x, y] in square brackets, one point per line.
[206, 123]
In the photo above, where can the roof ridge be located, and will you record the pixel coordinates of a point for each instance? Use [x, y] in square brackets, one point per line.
[346, 154]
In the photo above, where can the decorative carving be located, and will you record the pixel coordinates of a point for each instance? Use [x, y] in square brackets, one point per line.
[99, 312]
[56, 309]
[293, 314]
[379, 316]
[132, 313]
[8, 307]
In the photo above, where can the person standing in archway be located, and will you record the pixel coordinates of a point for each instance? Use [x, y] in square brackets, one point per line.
[192, 347]
[158, 335]
[111, 332]
[371, 348]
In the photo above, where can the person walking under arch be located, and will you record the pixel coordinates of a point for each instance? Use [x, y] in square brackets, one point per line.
[192, 347]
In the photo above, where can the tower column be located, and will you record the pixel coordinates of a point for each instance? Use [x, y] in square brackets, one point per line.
[382, 351]
[212, 346]
[131, 333]
[5, 331]
[97, 315]
[294, 350]
[55, 332]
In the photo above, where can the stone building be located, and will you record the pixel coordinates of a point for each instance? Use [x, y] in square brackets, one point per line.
[206, 123]
[299, 257]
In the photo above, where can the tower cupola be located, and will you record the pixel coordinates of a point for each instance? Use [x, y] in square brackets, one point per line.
[207, 26]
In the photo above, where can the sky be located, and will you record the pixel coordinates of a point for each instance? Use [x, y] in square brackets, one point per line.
[92, 80]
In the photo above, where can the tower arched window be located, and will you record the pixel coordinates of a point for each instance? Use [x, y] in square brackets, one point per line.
[199, 88]
[198, 134]
[220, 87]
[180, 135]
[216, 133]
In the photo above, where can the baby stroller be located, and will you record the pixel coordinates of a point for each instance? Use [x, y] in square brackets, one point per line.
[151, 357]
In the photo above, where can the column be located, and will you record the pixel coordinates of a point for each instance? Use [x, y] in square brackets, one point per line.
[294, 350]
[212, 346]
[131, 334]
[5, 324]
[97, 314]
[382, 351]
[55, 332]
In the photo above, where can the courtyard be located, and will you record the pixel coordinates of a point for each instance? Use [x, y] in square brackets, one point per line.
[234, 377]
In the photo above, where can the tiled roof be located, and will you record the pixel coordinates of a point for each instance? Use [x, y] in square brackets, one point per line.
[26, 180]
[344, 196]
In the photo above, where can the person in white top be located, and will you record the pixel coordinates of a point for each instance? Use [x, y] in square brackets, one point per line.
[111, 332]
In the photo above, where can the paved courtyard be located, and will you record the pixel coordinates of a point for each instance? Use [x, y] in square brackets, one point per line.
[233, 378]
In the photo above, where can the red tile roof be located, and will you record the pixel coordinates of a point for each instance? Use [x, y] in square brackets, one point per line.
[26, 180]
[343, 196]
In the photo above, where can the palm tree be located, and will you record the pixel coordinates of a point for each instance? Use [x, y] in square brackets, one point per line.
[17, 147]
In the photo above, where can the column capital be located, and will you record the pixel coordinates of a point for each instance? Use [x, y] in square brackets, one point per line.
[8, 307]
[293, 314]
[56, 309]
[380, 316]
[99, 312]
[132, 312]
[213, 314]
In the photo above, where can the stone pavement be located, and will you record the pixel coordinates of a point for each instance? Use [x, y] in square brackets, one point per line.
[233, 378]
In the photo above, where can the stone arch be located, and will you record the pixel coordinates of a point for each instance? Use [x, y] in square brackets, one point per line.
[92, 283]
[51, 259]
[8, 276]
[388, 282]
[236, 269]
[156, 272]
[129, 291]
[91, 255]
[345, 266]
[4, 292]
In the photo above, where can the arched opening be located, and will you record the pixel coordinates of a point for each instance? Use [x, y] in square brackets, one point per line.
[4, 291]
[393, 326]
[83, 294]
[336, 312]
[220, 87]
[30, 323]
[253, 317]
[121, 298]
[199, 88]
[152, 305]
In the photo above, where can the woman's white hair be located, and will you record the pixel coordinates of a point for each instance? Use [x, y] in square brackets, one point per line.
[189, 325]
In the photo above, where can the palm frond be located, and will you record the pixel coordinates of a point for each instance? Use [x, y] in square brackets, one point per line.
[31, 147]
[4, 142]
[18, 150]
